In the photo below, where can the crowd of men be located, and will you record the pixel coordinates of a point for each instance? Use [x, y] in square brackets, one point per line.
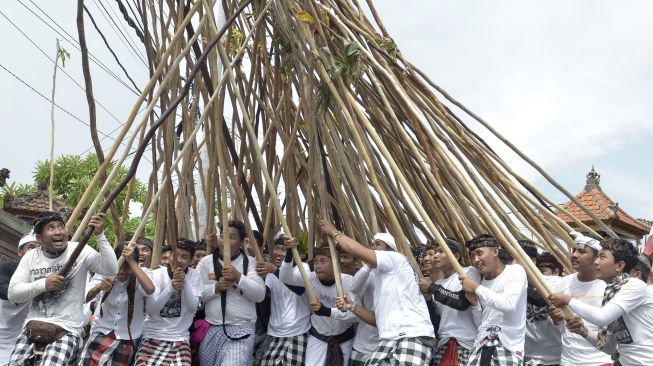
[195, 308]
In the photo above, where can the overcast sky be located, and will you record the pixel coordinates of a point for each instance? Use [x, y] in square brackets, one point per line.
[569, 82]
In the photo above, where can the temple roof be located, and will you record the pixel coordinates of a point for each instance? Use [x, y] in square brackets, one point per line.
[30, 205]
[602, 206]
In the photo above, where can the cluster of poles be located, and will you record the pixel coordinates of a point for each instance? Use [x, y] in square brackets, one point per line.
[282, 112]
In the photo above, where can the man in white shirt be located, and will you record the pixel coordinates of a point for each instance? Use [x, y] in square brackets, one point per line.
[502, 295]
[56, 301]
[119, 313]
[584, 286]
[290, 316]
[406, 335]
[543, 343]
[457, 330]
[626, 311]
[331, 333]
[229, 294]
[12, 315]
[170, 312]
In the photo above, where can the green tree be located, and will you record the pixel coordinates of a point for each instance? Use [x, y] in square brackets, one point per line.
[73, 174]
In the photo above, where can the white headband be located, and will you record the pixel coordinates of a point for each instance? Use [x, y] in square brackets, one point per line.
[586, 240]
[386, 238]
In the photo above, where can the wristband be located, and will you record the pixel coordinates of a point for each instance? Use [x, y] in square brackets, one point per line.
[334, 236]
[353, 308]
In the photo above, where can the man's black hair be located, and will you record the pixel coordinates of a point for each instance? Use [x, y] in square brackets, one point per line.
[45, 218]
[622, 250]
[529, 248]
[166, 248]
[238, 225]
[118, 251]
[186, 244]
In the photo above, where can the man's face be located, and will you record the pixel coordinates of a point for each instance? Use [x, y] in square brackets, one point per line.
[582, 258]
[53, 236]
[323, 268]
[199, 254]
[278, 253]
[234, 241]
[184, 258]
[548, 271]
[380, 245]
[605, 266]
[347, 263]
[144, 255]
[485, 259]
[439, 260]
[429, 256]
[27, 247]
[165, 259]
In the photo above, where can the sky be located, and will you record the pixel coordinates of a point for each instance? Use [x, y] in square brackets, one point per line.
[568, 82]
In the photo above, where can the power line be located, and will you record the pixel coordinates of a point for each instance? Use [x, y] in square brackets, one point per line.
[119, 32]
[59, 67]
[57, 105]
[110, 49]
[75, 44]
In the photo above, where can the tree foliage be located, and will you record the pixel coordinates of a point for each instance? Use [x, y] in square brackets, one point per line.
[73, 174]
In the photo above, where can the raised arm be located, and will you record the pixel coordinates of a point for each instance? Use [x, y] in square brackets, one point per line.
[104, 260]
[349, 245]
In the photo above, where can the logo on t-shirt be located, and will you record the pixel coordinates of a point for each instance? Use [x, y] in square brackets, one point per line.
[172, 308]
[620, 331]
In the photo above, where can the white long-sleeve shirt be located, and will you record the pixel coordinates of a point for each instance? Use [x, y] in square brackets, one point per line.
[112, 314]
[170, 313]
[241, 300]
[503, 299]
[64, 307]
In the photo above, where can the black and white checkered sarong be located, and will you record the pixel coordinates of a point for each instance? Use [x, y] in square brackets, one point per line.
[358, 358]
[63, 352]
[285, 351]
[498, 354]
[405, 351]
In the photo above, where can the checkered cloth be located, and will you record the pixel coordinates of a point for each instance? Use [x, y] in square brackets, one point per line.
[463, 353]
[217, 349]
[492, 353]
[358, 358]
[285, 351]
[105, 349]
[63, 352]
[405, 351]
[153, 352]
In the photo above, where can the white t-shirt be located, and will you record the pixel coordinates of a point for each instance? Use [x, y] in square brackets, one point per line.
[65, 307]
[401, 310]
[503, 300]
[576, 350]
[289, 313]
[339, 321]
[170, 313]
[542, 336]
[241, 300]
[634, 335]
[111, 315]
[454, 323]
